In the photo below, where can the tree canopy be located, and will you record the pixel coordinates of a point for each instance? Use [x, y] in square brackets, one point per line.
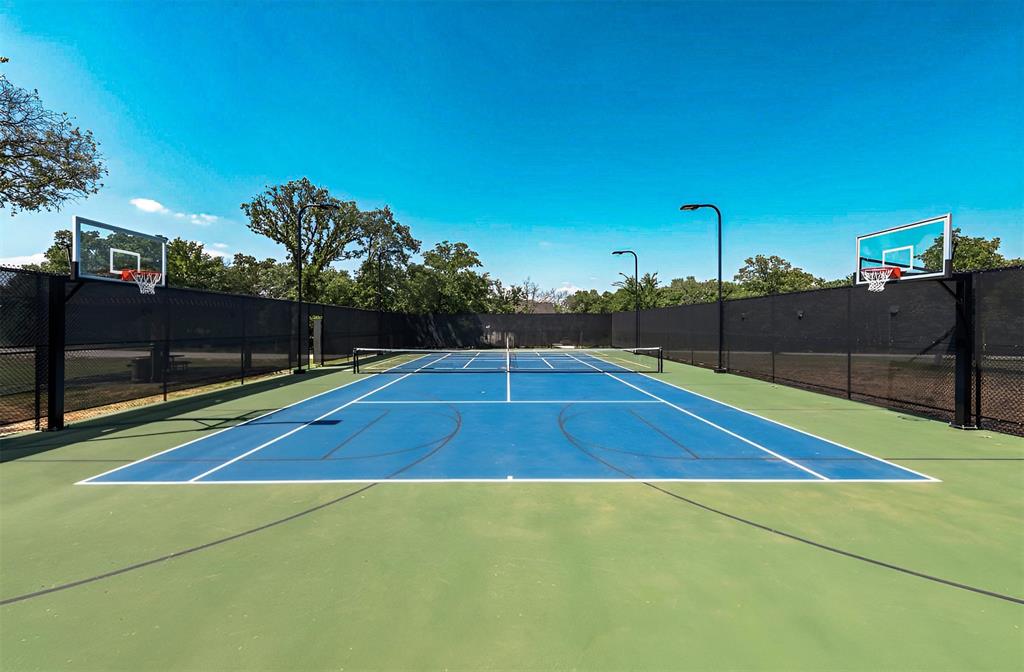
[969, 253]
[326, 233]
[45, 160]
[396, 274]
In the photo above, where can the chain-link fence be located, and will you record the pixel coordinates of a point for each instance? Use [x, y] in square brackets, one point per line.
[120, 346]
[896, 348]
[999, 345]
[24, 312]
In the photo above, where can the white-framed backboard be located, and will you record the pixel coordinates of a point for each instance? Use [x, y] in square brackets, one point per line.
[920, 250]
[103, 251]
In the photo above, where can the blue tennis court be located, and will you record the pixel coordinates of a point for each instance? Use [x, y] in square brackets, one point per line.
[487, 416]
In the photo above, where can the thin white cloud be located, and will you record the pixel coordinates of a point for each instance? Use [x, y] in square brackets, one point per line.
[545, 244]
[36, 258]
[151, 205]
[212, 250]
[570, 288]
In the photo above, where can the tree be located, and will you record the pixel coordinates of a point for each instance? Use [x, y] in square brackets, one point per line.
[45, 160]
[446, 281]
[507, 300]
[57, 256]
[189, 265]
[389, 246]
[338, 288]
[689, 290]
[588, 301]
[649, 291]
[267, 278]
[325, 233]
[969, 254]
[763, 275]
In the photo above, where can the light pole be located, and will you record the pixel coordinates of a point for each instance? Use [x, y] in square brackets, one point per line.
[721, 310]
[636, 290]
[298, 266]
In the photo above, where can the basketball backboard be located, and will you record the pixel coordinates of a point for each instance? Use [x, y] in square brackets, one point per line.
[919, 250]
[106, 252]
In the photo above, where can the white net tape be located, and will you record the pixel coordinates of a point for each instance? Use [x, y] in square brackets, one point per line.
[877, 277]
[147, 281]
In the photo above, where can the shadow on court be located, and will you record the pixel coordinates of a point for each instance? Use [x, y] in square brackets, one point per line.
[32, 443]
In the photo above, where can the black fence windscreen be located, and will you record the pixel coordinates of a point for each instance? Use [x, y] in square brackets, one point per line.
[519, 330]
[999, 344]
[119, 345]
[342, 329]
[898, 348]
[24, 298]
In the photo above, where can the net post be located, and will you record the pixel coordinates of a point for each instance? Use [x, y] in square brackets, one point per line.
[355, 360]
[661, 360]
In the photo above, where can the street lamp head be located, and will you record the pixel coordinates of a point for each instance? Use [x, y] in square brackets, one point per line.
[325, 206]
[619, 252]
[690, 206]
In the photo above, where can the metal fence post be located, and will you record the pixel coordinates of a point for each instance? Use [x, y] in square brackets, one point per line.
[964, 333]
[56, 334]
[243, 345]
[849, 343]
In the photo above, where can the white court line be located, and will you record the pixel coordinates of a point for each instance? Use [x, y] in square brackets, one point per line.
[796, 429]
[303, 426]
[706, 421]
[206, 436]
[634, 481]
[466, 365]
[508, 375]
[546, 362]
[517, 401]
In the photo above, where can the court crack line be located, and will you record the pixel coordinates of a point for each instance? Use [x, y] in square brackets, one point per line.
[237, 535]
[782, 533]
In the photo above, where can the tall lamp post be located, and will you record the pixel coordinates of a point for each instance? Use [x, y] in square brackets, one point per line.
[380, 291]
[298, 266]
[721, 310]
[636, 290]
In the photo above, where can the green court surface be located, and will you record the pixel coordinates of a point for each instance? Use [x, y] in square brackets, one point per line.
[753, 576]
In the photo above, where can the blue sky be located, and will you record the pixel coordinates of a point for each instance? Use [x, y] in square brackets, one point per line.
[544, 135]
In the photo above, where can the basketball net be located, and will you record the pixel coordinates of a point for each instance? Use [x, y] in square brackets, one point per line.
[878, 276]
[146, 280]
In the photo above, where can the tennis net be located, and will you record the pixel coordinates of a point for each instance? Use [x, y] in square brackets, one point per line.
[556, 360]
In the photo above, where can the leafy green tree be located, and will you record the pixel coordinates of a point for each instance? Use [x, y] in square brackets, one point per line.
[189, 265]
[325, 233]
[511, 299]
[689, 290]
[57, 256]
[763, 275]
[338, 288]
[969, 254]
[838, 282]
[649, 291]
[45, 160]
[589, 301]
[447, 281]
[381, 279]
[267, 278]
